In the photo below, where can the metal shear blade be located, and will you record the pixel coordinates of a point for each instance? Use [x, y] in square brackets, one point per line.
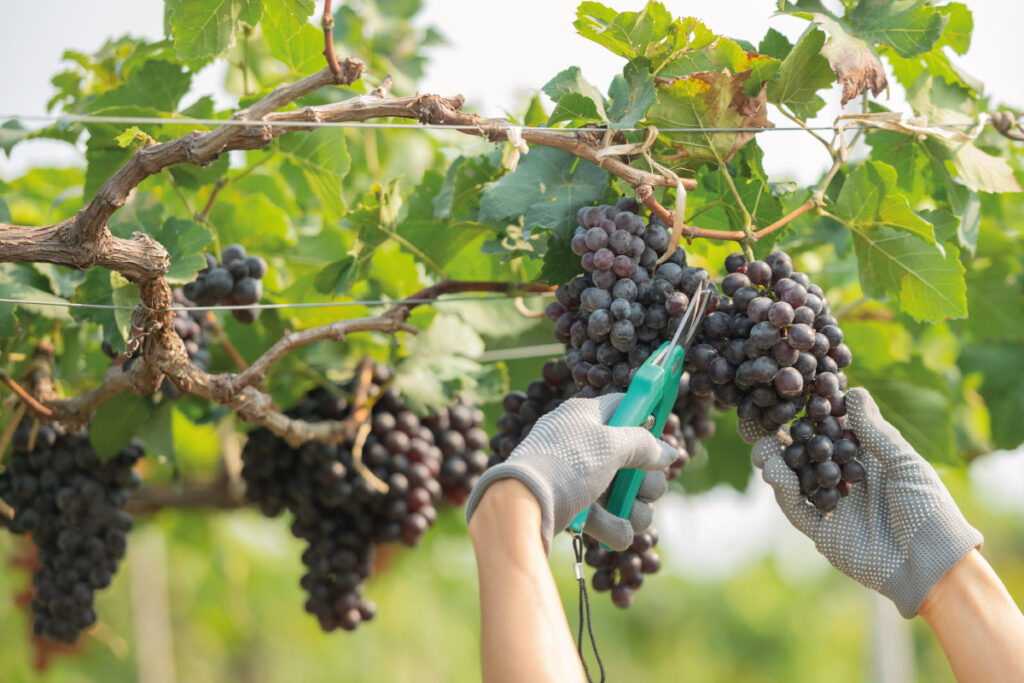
[690, 323]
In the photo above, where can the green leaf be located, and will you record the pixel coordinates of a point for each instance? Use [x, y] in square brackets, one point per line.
[629, 34]
[995, 289]
[572, 93]
[1001, 367]
[157, 85]
[324, 161]
[547, 188]
[910, 27]
[185, 242]
[937, 100]
[301, 51]
[802, 74]
[632, 95]
[560, 263]
[337, 278]
[157, 432]
[959, 26]
[441, 365]
[437, 242]
[194, 177]
[896, 248]
[574, 106]
[11, 133]
[116, 422]
[288, 16]
[915, 400]
[775, 44]
[98, 288]
[103, 154]
[708, 100]
[458, 197]
[203, 29]
[16, 283]
[252, 221]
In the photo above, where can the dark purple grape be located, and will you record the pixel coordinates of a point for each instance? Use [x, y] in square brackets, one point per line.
[782, 412]
[843, 451]
[232, 252]
[603, 258]
[757, 309]
[826, 384]
[837, 402]
[795, 296]
[759, 273]
[830, 427]
[829, 474]
[788, 382]
[803, 315]
[743, 296]
[701, 356]
[819, 448]
[826, 499]
[764, 396]
[784, 354]
[841, 355]
[801, 337]
[624, 288]
[733, 282]
[808, 479]
[676, 303]
[802, 431]
[764, 335]
[780, 314]
[721, 370]
[818, 408]
[854, 472]
[735, 261]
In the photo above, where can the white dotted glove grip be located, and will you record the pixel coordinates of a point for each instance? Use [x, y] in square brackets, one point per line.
[898, 532]
[568, 460]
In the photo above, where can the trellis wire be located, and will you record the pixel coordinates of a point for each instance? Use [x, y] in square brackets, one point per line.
[85, 118]
[308, 304]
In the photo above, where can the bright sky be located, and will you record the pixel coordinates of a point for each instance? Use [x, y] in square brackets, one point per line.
[497, 58]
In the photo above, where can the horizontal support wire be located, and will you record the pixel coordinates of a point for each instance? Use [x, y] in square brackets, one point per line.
[311, 304]
[81, 118]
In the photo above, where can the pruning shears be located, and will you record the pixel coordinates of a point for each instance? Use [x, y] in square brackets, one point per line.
[648, 402]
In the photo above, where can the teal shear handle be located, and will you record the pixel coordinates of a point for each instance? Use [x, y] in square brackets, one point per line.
[652, 393]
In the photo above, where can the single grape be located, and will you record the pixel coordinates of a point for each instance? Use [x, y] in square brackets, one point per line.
[854, 472]
[795, 456]
[780, 314]
[232, 252]
[819, 448]
[802, 431]
[735, 261]
[843, 451]
[828, 474]
[826, 499]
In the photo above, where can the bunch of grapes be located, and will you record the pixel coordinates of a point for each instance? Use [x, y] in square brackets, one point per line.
[343, 505]
[71, 503]
[458, 433]
[615, 315]
[235, 281]
[773, 351]
[622, 572]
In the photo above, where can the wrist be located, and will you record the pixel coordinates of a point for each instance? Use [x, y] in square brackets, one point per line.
[507, 510]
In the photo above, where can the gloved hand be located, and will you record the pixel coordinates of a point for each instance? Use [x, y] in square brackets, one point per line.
[898, 532]
[568, 460]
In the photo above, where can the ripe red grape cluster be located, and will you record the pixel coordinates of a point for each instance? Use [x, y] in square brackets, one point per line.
[773, 351]
[71, 503]
[344, 505]
[235, 281]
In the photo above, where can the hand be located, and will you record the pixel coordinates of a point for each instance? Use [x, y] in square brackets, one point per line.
[898, 532]
[568, 460]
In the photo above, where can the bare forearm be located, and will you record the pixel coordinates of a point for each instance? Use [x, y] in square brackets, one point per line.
[977, 623]
[524, 634]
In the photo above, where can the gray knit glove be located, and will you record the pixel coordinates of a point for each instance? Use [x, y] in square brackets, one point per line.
[571, 456]
[898, 532]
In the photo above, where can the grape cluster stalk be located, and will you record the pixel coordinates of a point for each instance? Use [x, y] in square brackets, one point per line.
[346, 499]
[71, 504]
[236, 280]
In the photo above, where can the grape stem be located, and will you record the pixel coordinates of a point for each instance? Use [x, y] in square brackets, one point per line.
[645, 193]
[24, 395]
[225, 342]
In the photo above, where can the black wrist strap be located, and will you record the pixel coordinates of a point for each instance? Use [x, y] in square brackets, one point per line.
[584, 602]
